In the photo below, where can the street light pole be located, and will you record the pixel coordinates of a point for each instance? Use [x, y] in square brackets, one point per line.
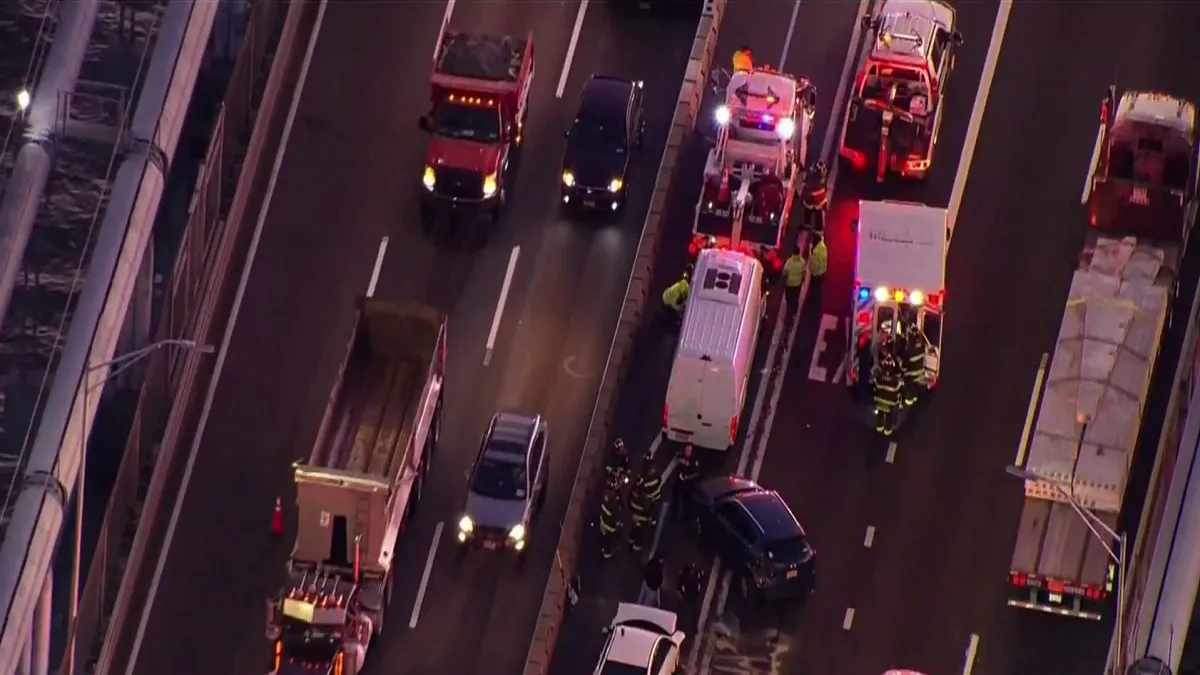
[1098, 528]
[118, 365]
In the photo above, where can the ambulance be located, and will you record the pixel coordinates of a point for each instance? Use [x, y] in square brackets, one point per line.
[899, 272]
[710, 374]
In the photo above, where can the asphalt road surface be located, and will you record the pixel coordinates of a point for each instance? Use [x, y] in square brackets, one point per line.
[350, 178]
[916, 538]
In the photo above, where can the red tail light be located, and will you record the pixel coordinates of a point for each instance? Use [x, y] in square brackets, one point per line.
[666, 413]
[733, 428]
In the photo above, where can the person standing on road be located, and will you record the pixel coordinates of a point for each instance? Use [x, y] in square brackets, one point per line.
[610, 520]
[887, 393]
[641, 517]
[743, 60]
[617, 469]
[687, 471]
[793, 278]
[652, 582]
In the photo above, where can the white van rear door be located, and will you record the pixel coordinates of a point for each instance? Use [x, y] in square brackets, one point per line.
[688, 390]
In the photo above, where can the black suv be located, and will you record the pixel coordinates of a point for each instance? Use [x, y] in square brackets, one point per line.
[606, 130]
[507, 484]
[755, 534]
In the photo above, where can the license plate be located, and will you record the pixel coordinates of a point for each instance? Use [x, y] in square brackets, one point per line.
[590, 203]
[792, 574]
[490, 545]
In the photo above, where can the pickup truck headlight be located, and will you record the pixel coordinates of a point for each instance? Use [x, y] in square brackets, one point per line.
[615, 185]
[568, 179]
[466, 525]
[517, 533]
[489, 185]
[429, 179]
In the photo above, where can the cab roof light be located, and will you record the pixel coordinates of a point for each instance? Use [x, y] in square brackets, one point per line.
[881, 294]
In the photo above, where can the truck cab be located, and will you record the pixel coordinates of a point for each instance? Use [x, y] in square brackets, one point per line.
[479, 94]
[895, 110]
[1145, 178]
[899, 280]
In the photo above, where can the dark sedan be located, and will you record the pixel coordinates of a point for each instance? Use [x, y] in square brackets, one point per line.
[608, 127]
[756, 536]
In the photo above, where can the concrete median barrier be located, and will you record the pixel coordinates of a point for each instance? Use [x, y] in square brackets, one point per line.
[638, 305]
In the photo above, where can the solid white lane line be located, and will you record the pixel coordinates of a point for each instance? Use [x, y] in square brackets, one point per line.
[504, 288]
[1033, 401]
[710, 590]
[848, 619]
[787, 39]
[870, 538]
[1087, 180]
[761, 450]
[761, 395]
[378, 268]
[976, 122]
[972, 649]
[566, 71]
[437, 538]
[654, 445]
[891, 453]
[219, 366]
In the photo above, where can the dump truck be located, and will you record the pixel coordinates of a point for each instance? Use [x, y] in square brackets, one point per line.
[358, 488]
[1141, 205]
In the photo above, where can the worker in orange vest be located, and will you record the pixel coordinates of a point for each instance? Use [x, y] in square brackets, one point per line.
[743, 60]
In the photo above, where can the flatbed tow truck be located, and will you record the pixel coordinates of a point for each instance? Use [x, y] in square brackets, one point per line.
[1086, 432]
[356, 491]
[756, 166]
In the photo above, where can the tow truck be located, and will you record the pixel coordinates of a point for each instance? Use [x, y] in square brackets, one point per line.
[756, 165]
[899, 277]
[895, 108]
[479, 103]
[355, 493]
[1141, 207]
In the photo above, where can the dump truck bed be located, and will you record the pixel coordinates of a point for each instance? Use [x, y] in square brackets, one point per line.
[489, 64]
[1087, 427]
[391, 355]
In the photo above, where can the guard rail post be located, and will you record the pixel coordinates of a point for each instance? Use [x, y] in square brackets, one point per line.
[585, 486]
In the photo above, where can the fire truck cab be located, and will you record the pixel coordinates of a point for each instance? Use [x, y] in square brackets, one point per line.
[899, 275]
[1145, 181]
[754, 169]
[895, 110]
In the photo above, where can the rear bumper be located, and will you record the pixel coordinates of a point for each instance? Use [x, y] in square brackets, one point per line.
[707, 439]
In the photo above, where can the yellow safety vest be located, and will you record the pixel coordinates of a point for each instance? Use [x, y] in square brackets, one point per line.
[676, 294]
[793, 271]
[819, 259]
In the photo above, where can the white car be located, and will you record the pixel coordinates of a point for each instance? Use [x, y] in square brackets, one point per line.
[641, 641]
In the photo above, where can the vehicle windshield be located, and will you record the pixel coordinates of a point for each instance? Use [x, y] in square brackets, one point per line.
[907, 81]
[789, 551]
[309, 642]
[467, 122]
[499, 476]
[598, 134]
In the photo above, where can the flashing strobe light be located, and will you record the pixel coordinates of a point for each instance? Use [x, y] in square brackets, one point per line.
[723, 115]
[489, 185]
[786, 128]
[881, 294]
[898, 296]
[429, 179]
[916, 298]
[864, 293]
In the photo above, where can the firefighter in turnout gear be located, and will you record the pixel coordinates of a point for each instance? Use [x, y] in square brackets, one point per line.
[617, 469]
[610, 520]
[641, 516]
[888, 380]
[816, 197]
[913, 353]
[687, 471]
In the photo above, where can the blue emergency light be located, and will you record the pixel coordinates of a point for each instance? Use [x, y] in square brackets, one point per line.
[864, 294]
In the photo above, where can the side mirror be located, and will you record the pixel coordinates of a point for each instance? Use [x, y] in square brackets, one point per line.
[956, 38]
[423, 123]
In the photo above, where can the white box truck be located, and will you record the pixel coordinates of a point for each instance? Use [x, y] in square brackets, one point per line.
[711, 369]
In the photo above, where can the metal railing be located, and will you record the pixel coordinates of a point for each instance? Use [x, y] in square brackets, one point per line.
[195, 306]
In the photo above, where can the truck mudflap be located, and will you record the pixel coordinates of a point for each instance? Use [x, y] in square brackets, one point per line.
[1126, 207]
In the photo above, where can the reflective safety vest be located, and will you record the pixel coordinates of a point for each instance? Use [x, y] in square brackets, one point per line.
[793, 271]
[816, 198]
[818, 259]
[676, 294]
[914, 357]
[651, 486]
[688, 471]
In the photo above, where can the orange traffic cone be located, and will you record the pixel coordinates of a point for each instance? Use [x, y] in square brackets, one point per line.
[277, 519]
